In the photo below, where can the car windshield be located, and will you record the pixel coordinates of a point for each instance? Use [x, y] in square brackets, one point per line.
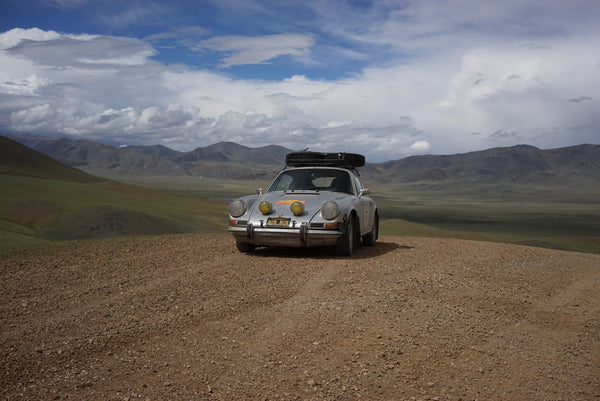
[312, 180]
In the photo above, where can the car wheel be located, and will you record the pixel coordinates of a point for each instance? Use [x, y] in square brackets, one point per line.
[345, 244]
[370, 238]
[244, 246]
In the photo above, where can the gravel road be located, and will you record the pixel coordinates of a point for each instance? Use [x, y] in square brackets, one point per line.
[187, 317]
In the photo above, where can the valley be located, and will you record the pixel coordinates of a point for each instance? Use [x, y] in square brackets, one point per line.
[520, 195]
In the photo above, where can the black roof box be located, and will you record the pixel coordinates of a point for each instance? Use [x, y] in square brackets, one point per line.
[309, 159]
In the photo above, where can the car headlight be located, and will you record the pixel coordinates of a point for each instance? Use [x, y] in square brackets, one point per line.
[297, 208]
[237, 208]
[265, 207]
[330, 210]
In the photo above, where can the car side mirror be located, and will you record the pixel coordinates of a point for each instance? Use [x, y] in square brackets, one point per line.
[364, 192]
[259, 191]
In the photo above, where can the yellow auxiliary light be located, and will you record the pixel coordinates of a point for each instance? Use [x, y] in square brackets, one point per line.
[265, 207]
[297, 208]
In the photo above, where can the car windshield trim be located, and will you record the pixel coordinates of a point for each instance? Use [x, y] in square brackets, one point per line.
[302, 191]
[313, 180]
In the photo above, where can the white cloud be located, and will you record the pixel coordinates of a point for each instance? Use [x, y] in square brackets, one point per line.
[147, 13]
[17, 35]
[420, 146]
[471, 96]
[33, 117]
[82, 51]
[523, 89]
[258, 50]
[25, 86]
[64, 3]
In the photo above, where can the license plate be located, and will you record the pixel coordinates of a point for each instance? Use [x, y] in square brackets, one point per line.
[278, 222]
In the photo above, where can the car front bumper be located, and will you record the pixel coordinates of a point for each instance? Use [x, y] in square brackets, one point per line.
[303, 236]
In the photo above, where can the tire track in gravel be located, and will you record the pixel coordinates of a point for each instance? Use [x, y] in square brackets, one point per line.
[284, 317]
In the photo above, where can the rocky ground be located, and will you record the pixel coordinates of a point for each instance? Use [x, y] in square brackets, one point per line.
[189, 318]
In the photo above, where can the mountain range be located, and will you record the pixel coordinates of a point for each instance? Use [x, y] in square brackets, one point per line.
[518, 194]
[43, 199]
[522, 164]
[222, 160]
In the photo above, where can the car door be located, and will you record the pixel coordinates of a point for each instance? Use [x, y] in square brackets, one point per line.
[365, 209]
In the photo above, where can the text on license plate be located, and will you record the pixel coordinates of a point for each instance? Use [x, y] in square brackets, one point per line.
[278, 222]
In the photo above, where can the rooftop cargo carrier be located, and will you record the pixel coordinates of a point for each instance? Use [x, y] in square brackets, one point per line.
[309, 159]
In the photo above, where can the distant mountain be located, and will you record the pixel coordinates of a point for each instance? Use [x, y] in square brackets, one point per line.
[221, 160]
[266, 155]
[17, 159]
[43, 199]
[517, 164]
[156, 150]
[229, 160]
[97, 157]
[521, 164]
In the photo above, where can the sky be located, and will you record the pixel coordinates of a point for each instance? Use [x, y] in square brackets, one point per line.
[385, 78]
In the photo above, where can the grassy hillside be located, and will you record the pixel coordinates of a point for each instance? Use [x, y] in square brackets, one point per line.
[548, 217]
[54, 209]
[42, 200]
[19, 160]
[553, 218]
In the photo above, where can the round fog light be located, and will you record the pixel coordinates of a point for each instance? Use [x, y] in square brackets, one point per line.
[297, 208]
[265, 207]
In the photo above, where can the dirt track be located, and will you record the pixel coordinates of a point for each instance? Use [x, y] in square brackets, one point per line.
[188, 317]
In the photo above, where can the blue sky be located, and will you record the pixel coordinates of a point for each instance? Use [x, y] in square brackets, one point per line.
[386, 78]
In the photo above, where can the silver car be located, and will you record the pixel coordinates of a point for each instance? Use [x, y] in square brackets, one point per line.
[317, 200]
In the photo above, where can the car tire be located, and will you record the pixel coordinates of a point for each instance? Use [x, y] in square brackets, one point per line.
[245, 246]
[346, 243]
[371, 238]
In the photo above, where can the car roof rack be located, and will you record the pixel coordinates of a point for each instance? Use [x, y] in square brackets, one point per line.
[318, 159]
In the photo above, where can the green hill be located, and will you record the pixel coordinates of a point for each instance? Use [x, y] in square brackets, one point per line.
[520, 194]
[19, 160]
[42, 199]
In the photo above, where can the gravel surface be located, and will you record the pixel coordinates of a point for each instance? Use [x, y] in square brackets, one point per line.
[187, 317]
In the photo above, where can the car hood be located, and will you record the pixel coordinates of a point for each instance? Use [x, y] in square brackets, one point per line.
[281, 201]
